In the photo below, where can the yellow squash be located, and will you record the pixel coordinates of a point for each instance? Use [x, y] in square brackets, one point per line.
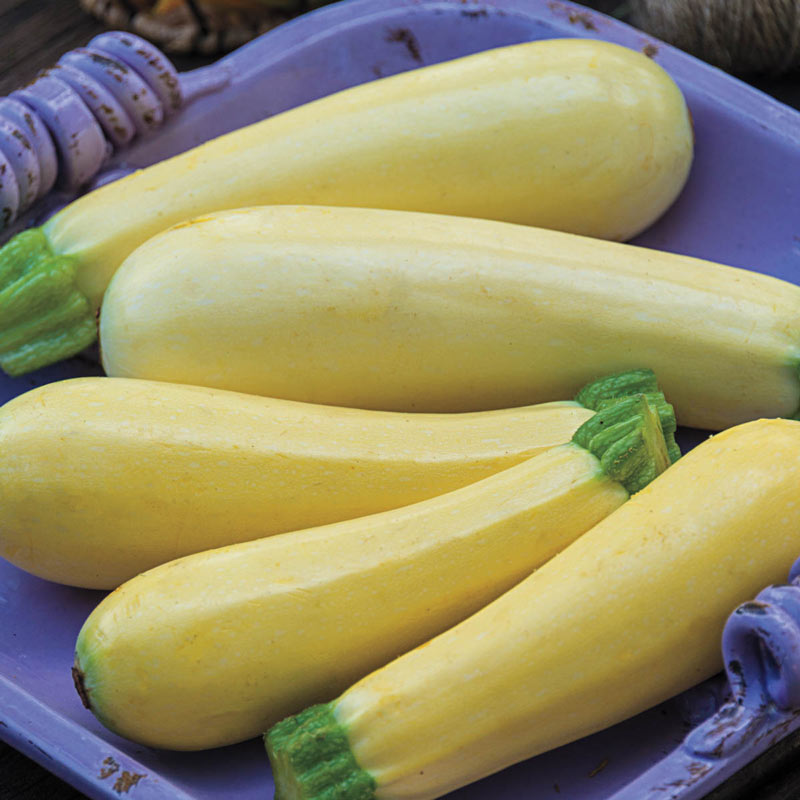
[102, 478]
[627, 616]
[215, 647]
[580, 135]
[419, 312]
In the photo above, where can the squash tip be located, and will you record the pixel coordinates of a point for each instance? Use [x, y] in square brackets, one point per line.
[80, 686]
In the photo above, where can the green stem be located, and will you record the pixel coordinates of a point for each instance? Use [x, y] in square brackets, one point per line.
[311, 758]
[627, 439]
[604, 391]
[44, 317]
[666, 415]
[613, 387]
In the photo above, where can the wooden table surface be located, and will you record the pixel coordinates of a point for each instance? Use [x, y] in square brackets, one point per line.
[33, 34]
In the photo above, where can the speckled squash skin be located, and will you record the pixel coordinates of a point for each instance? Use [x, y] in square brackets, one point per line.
[216, 647]
[419, 312]
[572, 134]
[103, 478]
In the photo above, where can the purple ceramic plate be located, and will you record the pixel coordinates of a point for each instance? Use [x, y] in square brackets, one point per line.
[740, 207]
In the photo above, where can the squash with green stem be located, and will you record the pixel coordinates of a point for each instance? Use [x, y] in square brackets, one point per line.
[575, 134]
[102, 478]
[210, 649]
[627, 616]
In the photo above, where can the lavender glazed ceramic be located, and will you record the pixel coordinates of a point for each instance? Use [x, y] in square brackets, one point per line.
[741, 207]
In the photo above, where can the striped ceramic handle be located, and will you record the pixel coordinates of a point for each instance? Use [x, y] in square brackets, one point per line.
[60, 130]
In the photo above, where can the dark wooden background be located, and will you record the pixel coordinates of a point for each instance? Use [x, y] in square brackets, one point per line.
[33, 34]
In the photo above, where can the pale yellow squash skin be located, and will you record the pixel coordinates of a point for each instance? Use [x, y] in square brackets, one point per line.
[421, 312]
[102, 478]
[573, 134]
[216, 647]
[627, 616]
